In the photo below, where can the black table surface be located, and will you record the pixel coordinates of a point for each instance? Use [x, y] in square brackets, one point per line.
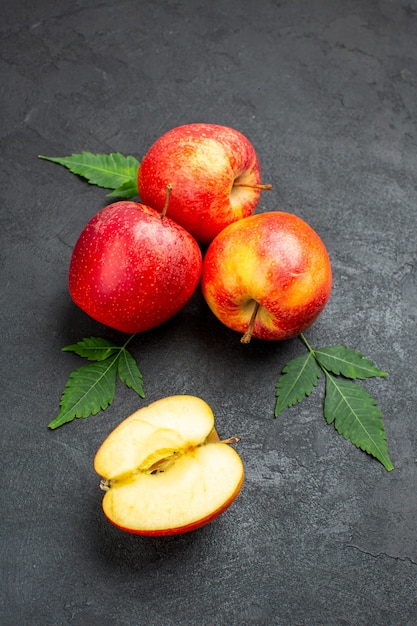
[321, 533]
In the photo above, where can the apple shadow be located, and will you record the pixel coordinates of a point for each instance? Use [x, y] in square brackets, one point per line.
[194, 323]
[116, 548]
[75, 325]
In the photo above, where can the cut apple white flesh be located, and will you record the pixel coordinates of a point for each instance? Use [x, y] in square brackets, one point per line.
[164, 469]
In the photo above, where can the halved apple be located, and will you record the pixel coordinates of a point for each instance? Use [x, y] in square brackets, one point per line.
[164, 469]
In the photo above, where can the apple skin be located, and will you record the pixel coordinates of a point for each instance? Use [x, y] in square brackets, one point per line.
[203, 164]
[275, 259]
[164, 470]
[131, 269]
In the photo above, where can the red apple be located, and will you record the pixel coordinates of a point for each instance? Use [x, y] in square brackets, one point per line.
[214, 176]
[267, 276]
[165, 471]
[131, 269]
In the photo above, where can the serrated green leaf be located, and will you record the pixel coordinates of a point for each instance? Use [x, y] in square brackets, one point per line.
[298, 379]
[128, 190]
[129, 373]
[356, 417]
[93, 348]
[347, 362]
[111, 171]
[89, 389]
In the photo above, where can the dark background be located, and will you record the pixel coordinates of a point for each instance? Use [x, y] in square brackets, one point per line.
[326, 91]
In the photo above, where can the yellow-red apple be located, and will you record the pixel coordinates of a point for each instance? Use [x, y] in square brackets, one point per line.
[131, 269]
[267, 276]
[213, 172]
[164, 469]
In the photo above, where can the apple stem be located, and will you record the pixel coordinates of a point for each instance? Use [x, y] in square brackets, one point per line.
[164, 210]
[231, 440]
[254, 186]
[248, 334]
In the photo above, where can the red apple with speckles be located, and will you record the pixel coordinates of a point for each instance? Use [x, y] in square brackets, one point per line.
[267, 276]
[213, 172]
[132, 269]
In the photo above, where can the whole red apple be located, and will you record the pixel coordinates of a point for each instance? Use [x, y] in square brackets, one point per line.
[214, 176]
[131, 269]
[267, 276]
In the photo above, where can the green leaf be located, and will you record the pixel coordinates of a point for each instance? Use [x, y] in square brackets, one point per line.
[112, 171]
[89, 389]
[128, 190]
[356, 417]
[129, 373]
[347, 362]
[93, 348]
[298, 379]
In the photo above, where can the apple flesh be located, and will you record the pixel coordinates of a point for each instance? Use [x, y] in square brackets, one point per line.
[165, 471]
[131, 269]
[267, 276]
[213, 172]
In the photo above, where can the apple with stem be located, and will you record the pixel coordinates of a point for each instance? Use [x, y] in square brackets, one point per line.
[132, 269]
[213, 173]
[267, 276]
[165, 471]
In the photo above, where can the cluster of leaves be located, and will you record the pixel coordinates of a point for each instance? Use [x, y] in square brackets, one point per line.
[91, 388]
[347, 405]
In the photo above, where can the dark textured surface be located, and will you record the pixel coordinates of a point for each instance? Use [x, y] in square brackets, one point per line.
[327, 93]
